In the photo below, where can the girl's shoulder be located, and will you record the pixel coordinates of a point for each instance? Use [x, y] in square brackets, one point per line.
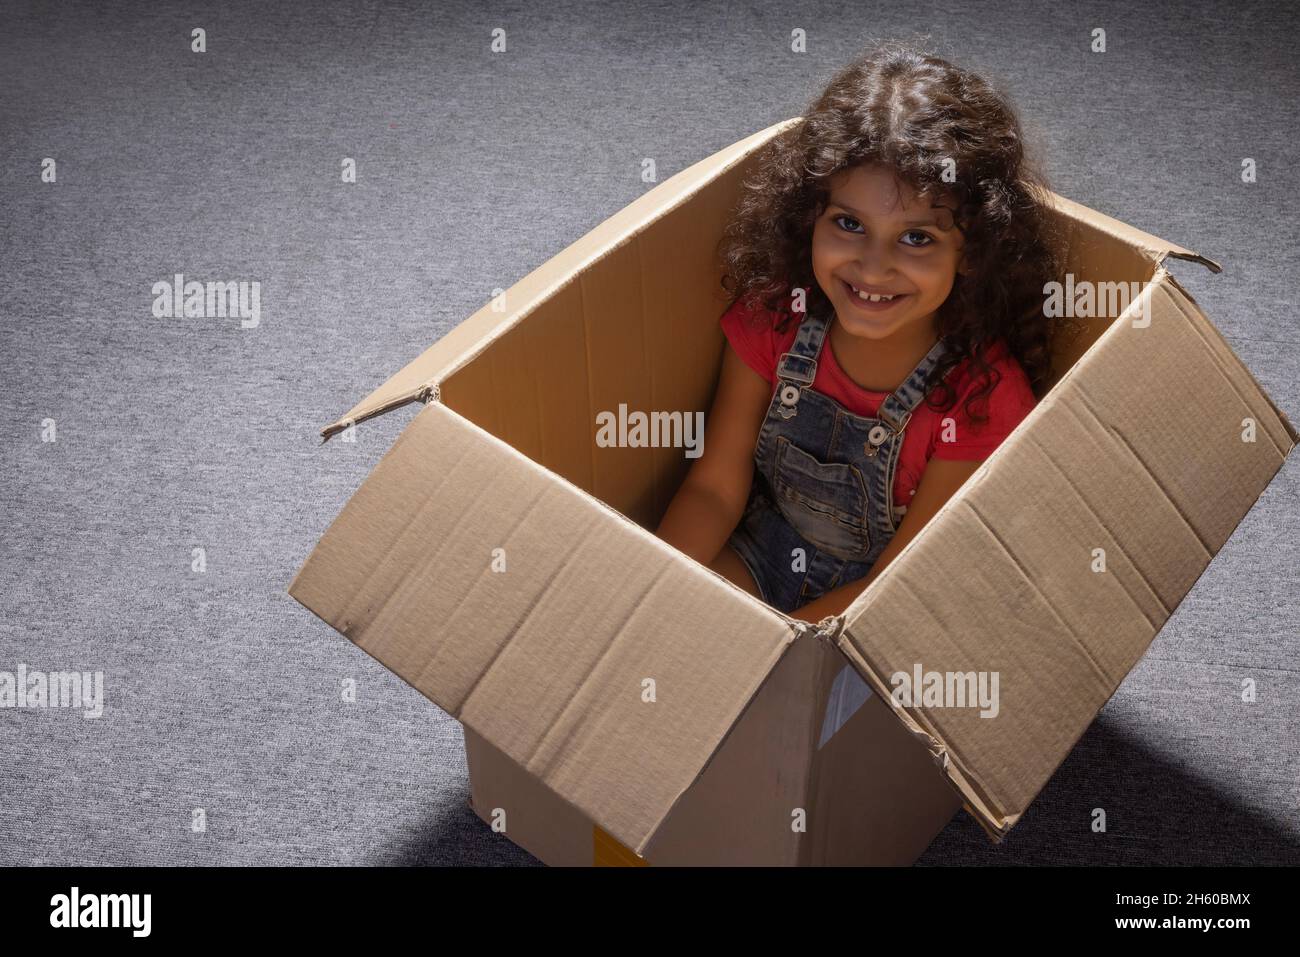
[963, 376]
[1001, 409]
[751, 330]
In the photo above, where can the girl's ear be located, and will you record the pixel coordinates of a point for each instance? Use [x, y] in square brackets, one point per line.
[964, 267]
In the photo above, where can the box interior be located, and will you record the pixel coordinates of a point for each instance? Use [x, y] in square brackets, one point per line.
[640, 328]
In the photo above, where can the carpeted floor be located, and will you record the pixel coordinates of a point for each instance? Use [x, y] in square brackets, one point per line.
[221, 692]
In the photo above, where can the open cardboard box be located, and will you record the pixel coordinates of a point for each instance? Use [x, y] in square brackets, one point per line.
[624, 704]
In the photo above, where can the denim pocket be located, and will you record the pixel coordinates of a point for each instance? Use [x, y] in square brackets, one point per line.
[825, 502]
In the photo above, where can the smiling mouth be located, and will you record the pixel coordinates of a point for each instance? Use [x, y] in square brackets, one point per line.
[872, 300]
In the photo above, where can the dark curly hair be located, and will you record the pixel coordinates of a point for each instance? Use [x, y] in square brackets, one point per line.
[911, 111]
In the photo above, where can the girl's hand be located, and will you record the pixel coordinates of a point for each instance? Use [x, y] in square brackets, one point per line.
[712, 498]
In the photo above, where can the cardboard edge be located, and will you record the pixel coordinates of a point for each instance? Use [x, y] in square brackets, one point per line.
[631, 219]
[1282, 417]
[1192, 257]
[1151, 247]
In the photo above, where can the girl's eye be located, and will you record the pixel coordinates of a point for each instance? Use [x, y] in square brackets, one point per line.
[919, 241]
[836, 221]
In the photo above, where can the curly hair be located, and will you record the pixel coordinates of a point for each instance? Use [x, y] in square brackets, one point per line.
[912, 112]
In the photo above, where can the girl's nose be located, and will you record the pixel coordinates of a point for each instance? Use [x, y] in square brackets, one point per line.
[875, 264]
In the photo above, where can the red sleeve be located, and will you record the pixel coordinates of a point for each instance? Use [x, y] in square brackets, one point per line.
[753, 337]
[1006, 405]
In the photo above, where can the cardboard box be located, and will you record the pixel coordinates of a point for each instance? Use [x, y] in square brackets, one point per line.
[624, 704]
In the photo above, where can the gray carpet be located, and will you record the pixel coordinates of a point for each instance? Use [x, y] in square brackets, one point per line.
[222, 693]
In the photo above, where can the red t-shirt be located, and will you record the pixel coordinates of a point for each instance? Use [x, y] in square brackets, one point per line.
[753, 336]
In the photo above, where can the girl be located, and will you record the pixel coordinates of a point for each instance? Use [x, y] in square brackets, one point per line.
[886, 331]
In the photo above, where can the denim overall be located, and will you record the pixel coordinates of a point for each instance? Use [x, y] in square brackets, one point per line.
[825, 479]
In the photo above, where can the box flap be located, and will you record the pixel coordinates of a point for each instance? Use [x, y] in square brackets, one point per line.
[1057, 563]
[599, 658]
[415, 380]
[1150, 247]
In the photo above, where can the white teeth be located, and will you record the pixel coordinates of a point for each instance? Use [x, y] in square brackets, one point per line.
[870, 298]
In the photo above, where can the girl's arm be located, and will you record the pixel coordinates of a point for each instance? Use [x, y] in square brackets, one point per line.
[942, 477]
[708, 506]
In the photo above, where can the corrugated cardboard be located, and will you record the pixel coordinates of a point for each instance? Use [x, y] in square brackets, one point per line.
[622, 703]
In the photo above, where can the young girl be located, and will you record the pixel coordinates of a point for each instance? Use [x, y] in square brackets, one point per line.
[887, 331]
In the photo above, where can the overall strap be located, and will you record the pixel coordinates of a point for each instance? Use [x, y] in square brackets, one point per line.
[797, 368]
[898, 405]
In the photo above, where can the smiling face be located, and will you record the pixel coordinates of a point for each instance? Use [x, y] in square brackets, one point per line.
[879, 237]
